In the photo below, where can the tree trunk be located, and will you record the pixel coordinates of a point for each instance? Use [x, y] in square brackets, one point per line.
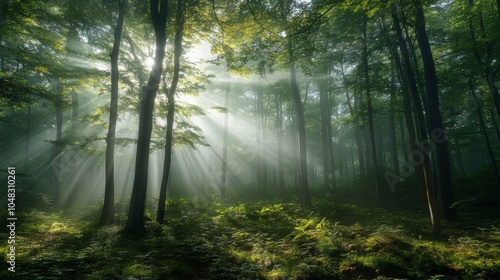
[27, 159]
[109, 190]
[495, 125]
[411, 84]
[435, 121]
[370, 110]
[301, 128]
[259, 159]
[56, 153]
[135, 222]
[485, 133]
[225, 140]
[359, 142]
[392, 134]
[484, 65]
[279, 138]
[179, 30]
[498, 9]
[329, 135]
[325, 122]
[459, 153]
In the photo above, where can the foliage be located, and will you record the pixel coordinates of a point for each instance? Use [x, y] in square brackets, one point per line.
[204, 239]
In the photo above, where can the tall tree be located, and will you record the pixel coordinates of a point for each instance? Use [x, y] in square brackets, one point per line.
[225, 142]
[421, 134]
[109, 189]
[301, 127]
[484, 132]
[135, 221]
[325, 122]
[179, 31]
[371, 127]
[435, 121]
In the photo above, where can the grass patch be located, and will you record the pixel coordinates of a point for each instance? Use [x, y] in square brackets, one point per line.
[202, 239]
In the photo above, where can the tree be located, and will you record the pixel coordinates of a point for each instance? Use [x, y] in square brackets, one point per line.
[371, 127]
[411, 85]
[135, 221]
[109, 192]
[299, 110]
[225, 140]
[179, 30]
[434, 114]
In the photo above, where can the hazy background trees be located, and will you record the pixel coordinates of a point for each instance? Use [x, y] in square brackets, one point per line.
[272, 99]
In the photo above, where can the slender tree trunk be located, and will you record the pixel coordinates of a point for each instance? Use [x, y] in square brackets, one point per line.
[370, 110]
[498, 9]
[435, 121]
[301, 128]
[459, 153]
[295, 160]
[368, 147]
[179, 31]
[279, 137]
[330, 142]
[352, 160]
[56, 153]
[259, 162]
[325, 122]
[263, 147]
[359, 142]
[392, 134]
[402, 135]
[495, 125]
[411, 85]
[415, 67]
[135, 222]
[225, 140]
[75, 107]
[27, 145]
[484, 65]
[109, 192]
[304, 187]
[485, 133]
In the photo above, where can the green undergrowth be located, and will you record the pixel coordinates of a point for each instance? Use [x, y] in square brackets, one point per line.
[202, 239]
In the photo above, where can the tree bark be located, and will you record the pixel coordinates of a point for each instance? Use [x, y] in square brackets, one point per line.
[325, 122]
[495, 125]
[411, 84]
[484, 65]
[370, 110]
[27, 158]
[329, 135]
[279, 139]
[392, 133]
[301, 128]
[434, 114]
[225, 142]
[107, 215]
[485, 133]
[179, 31]
[56, 153]
[135, 221]
[359, 142]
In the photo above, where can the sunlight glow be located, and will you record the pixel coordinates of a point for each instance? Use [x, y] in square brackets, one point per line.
[148, 62]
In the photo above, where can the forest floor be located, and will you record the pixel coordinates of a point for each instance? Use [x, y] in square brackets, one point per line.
[342, 237]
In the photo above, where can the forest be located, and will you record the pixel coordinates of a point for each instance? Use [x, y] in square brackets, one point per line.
[250, 139]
